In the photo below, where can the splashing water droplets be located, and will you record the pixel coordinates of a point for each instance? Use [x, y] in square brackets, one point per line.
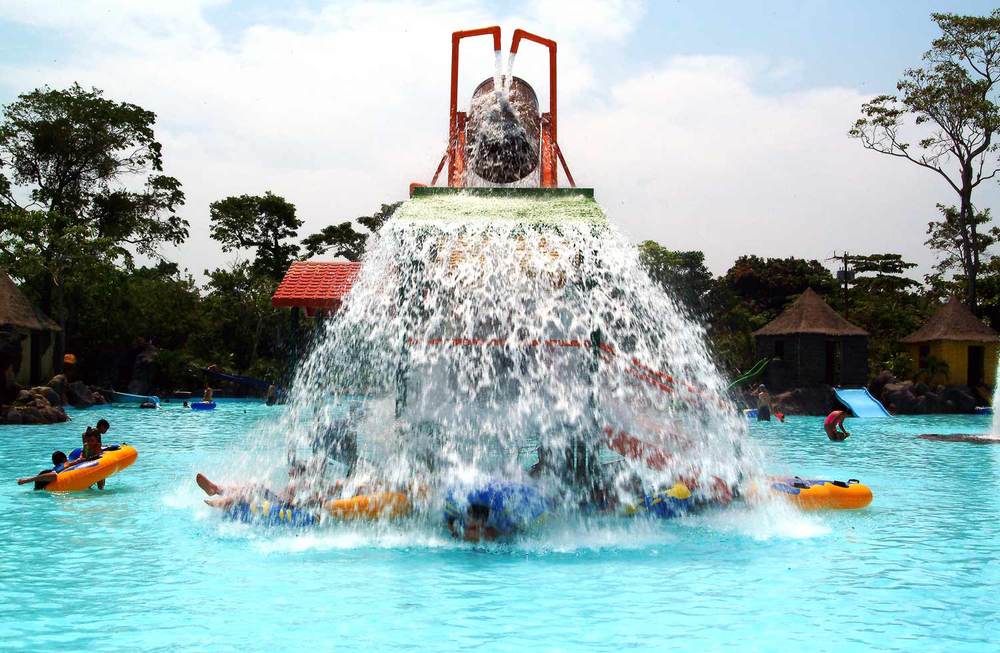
[488, 334]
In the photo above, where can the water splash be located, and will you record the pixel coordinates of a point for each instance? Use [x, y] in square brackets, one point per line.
[489, 334]
[499, 87]
[510, 71]
[504, 133]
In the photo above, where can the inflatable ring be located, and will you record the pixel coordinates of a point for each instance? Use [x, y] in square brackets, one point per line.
[511, 507]
[665, 504]
[268, 513]
[82, 476]
[385, 505]
[823, 495]
[203, 405]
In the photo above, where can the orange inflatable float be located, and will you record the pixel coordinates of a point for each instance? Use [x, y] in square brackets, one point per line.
[384, 505]
[823, 495]
[82, 476]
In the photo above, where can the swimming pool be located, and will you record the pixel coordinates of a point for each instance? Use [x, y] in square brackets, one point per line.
[145, 566]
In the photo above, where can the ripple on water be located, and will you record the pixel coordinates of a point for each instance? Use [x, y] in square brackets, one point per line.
[146, 566]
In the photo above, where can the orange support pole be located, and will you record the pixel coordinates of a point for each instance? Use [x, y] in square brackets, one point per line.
[456, 168]
[547, 165]
[553, 120]
[453, 128]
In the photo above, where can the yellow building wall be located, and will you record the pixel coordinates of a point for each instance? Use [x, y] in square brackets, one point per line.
[956, 354]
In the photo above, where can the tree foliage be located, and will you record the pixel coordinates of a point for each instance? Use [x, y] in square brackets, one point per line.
[263, 223]
[81, 185]
[342, 240]
[683, 274]
[950, 108]
[767, 285]
[885, 302]
[948, 237]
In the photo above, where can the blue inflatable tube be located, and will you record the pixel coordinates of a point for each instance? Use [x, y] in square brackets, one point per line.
[267, 513]
[664, 506]
[665, 503]
[203, 405]
[512, 506]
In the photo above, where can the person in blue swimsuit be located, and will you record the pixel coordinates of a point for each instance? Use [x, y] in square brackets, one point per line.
[46, 476]
[92, 446]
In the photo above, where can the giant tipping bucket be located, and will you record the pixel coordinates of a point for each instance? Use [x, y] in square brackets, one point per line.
[504, 138]
[504, 130]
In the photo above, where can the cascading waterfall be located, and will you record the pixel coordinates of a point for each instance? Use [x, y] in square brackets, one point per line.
[510, 336]
[486, 332]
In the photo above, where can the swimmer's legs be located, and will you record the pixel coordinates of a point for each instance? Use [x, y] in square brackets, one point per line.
[210, 488]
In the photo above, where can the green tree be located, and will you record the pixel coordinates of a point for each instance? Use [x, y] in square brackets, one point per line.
[683, 274]
[120, 308]
[948, 237]
[886, 303]
[989, 292]
[952, 101]
[260, 222]
[80, 188]
[242, 324]
[767, 285]
[343, 240]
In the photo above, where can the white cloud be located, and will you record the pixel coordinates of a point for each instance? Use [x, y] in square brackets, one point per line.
[690, 154]
[338, 109]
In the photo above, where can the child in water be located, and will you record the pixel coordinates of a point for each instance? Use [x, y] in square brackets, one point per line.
[46, 476]
[833, 421]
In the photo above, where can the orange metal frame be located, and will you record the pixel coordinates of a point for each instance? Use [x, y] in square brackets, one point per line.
[551, 155]
[549, 172]
[456, 118]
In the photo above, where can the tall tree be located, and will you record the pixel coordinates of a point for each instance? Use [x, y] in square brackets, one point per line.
[767, 285]
[682, 273]
[238, 307]
[343, 240]
[948, 236]
[70, 161]
[952, 103]
[886, 303]
[260, 222]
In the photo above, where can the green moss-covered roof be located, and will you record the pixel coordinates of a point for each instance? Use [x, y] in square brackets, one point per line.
[528, 205]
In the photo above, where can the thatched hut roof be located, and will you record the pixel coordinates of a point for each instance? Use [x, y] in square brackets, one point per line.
[952, 321]
[16, 310]
[810, 314]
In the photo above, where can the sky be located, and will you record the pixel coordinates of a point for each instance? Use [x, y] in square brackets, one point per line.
[712, 125]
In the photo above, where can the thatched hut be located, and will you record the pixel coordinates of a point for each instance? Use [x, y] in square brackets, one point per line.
[20, 320]
[812, 345]
[957, 337]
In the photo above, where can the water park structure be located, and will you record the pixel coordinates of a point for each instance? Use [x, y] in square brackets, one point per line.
[501, 314]
[503, 427]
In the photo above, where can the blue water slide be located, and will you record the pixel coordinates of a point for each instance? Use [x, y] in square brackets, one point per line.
[861, 402]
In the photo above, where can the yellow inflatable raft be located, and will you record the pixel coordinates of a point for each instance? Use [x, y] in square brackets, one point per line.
[82, 476]
[823, 495]
[384, 505]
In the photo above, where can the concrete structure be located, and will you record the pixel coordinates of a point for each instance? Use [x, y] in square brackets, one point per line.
[812, 345]
[35, 329]
[957, 337]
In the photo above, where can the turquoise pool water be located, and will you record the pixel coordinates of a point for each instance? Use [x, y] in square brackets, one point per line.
[145, 566]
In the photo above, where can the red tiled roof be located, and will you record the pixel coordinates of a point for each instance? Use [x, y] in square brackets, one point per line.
[315, 285]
